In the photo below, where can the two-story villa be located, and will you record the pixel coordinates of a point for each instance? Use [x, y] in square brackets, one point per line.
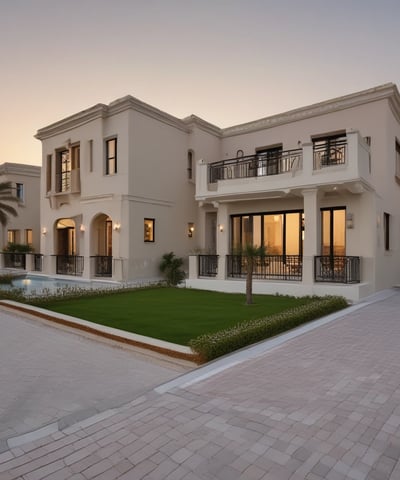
[317, 186]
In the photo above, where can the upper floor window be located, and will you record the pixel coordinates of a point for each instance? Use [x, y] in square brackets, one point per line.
[329, 150]
[63, 171]
[20, 194]
[111, 156]
[398, 160]
[269, 160]
[190, 165]
[13, 236]
[28, 236]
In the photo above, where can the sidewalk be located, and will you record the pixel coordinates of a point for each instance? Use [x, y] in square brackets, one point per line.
[324, 404]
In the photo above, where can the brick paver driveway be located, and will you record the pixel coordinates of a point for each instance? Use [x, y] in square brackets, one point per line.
[325, 405]
[48, 374]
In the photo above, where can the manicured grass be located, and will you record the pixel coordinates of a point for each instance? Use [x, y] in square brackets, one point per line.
[173, 314]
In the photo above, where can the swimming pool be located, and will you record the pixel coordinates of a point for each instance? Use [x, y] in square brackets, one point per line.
[42, 285]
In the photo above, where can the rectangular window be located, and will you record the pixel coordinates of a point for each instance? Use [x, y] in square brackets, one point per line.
[75, 157]
[333, 235]
[28, 236]
[111, 156]
[149, 229]
[280, 233]
[386, 230]
[63, 171]
[13, 236]
[269, 160]
[397, 161]
[190, 165]
[20, 192]
[49, 160]
[90, 155]
[329, 150]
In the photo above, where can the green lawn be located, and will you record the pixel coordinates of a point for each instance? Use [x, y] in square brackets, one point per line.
[173, 314]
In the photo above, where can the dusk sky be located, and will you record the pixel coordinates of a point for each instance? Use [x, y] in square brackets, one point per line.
[227, 61]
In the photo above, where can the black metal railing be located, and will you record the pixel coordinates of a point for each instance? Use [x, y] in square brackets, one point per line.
[274, 267]
[329, 153]
[337, 269]
[37, 262]
[14, 260]
[69, 265]
[256, 165]
[208, 265]
[102, 265]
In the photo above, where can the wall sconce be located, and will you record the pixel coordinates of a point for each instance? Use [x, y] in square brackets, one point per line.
[82, 228]
[221, 227]
[44, 231]
[117, 226]
[190, 229]
[349, 220]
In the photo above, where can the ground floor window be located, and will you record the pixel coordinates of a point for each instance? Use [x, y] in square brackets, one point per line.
[13, 236]
[149, 229]
[333, 234]
[281, 233]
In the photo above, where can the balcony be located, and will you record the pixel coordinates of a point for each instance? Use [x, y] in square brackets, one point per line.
[69, 265]
[268, 267]
[255, 166]
[342, 164]
[337, 269]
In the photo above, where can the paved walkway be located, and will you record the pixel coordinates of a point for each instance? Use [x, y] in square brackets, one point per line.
[323, 405]
[48, 374]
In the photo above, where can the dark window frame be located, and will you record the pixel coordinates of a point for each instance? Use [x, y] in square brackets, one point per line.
[149, 232]
[111, 160]
[386, 230]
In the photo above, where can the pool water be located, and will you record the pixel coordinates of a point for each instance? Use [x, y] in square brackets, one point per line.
[41, 285]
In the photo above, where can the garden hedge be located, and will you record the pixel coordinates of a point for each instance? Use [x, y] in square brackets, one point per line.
[210, 346]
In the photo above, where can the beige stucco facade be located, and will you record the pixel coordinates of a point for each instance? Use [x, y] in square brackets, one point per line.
[336, 161]
[25, 227]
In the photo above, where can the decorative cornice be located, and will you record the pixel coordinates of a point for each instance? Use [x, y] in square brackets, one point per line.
[73, 121]
[97, 198]
[387, 91]
[20, 169]
[129, 102]
[195, 121]
[148, 200]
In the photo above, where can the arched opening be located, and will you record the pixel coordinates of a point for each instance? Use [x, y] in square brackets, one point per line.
[66, 237]
[68, 262]
[102, 245]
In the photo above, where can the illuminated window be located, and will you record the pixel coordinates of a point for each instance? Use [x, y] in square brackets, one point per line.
[333, 234]
[63, 171]
[149, 229]
[28, 236]
[111, 156]
[13, 236]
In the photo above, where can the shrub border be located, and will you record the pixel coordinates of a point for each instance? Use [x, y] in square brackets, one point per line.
[211, 346]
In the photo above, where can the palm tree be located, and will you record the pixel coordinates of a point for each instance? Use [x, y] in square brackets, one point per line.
[251, 252]
[6, 195]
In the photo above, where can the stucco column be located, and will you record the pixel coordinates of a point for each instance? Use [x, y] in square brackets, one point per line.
[222, 238]
[308, 159]
[312, 232]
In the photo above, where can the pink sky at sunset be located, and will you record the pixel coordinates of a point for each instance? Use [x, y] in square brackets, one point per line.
[227, 61]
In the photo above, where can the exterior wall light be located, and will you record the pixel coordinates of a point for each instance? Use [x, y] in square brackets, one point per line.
[190, 229]
[349, 220]
[221, 227]
[117, 226]
[44, 231]
[82, 228]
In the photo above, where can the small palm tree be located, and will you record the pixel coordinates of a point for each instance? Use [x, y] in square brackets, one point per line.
[6, 196]
[171, 266]
[251, 252]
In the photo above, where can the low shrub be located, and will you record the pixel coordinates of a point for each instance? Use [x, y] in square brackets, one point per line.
[6, 278]
[210, 346]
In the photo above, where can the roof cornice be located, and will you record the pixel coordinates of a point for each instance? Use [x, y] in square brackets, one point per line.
[195, 121]
[129, 102]
[387, 91]
[73, 121]
[20, 169]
